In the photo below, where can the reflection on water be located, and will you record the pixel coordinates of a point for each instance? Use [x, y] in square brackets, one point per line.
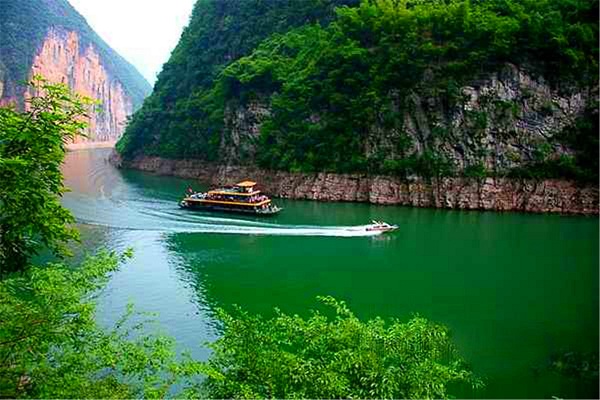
[514, 289]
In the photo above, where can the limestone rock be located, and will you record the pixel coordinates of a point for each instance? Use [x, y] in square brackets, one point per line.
[61, 59]
[498, 194]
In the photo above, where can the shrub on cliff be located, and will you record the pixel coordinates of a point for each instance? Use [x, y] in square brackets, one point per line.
[174, 120]
[335, 87]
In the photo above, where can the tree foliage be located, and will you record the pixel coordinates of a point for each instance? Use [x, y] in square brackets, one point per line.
[32, 148]
[177, 120]
[343, 357]
[51, 346]
[334, 84]
[329, 81]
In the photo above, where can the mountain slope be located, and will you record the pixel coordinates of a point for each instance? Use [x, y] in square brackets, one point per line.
[429, 88]
[51, 38]
[173, 121]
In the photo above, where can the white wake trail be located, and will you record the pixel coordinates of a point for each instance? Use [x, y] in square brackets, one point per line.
[350, 231]
[157, 215]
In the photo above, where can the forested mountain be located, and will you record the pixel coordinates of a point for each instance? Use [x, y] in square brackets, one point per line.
[174, 120]
[421, 87]
[49, 37]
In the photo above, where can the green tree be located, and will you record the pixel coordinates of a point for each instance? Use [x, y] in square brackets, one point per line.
[51, 346]
[32, 148]
[173, 122]
[292, 357]
[338, 83]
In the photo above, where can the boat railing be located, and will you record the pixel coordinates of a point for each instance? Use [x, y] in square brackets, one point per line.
[251, 199]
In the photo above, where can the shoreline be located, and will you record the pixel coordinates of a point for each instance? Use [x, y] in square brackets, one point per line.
[91, 145]
[493, 194]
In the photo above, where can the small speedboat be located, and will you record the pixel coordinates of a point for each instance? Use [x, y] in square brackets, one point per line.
[380, 226]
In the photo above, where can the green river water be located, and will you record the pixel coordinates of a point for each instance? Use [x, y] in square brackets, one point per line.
[517, 291]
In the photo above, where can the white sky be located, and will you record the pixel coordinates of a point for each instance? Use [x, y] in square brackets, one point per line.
[143, 31]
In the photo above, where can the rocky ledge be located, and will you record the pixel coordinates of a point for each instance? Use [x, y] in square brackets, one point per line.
[498, 194]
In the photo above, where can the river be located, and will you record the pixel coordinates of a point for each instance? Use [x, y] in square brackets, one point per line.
[518, 291]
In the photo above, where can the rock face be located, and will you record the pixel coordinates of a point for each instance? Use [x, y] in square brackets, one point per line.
[499, 194]
[243, 123]
[62, 59]
[501, 121]
[50, 38]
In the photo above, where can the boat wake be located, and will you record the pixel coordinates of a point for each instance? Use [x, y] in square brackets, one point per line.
[163, 216]
[102, 196]
[350, 231]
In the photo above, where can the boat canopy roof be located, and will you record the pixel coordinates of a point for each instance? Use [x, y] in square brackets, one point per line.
[246, 184]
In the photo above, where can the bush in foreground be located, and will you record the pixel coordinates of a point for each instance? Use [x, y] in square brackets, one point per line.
[291, 357]
[51, 346]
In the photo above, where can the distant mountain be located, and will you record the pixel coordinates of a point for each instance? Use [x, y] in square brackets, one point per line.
[50, 38]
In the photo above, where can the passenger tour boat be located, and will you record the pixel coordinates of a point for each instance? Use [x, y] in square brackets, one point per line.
[239, 198]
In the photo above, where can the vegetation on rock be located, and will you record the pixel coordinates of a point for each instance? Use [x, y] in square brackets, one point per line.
[182, 117]
[338, 89]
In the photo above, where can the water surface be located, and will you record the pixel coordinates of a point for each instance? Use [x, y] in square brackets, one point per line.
[516, 290]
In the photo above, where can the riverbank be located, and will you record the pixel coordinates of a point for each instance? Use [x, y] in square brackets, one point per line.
[497, 194]
[91, 145]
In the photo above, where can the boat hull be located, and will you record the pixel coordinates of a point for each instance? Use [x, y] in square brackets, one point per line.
[383, 229]
[228, 209]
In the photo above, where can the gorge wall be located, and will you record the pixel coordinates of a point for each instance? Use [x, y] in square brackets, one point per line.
[506, 119]
[498, 194]
[50, 38]
[380, 87]
[63, 59]
[423, 103]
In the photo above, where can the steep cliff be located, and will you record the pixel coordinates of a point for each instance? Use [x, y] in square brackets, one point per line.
[493, 194]
[181, 116]
[62, 60]
[402, 88]
[505, 120]
[49, 37]
[428, 90]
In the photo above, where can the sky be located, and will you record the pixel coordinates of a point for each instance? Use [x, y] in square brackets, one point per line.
[143, 31]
